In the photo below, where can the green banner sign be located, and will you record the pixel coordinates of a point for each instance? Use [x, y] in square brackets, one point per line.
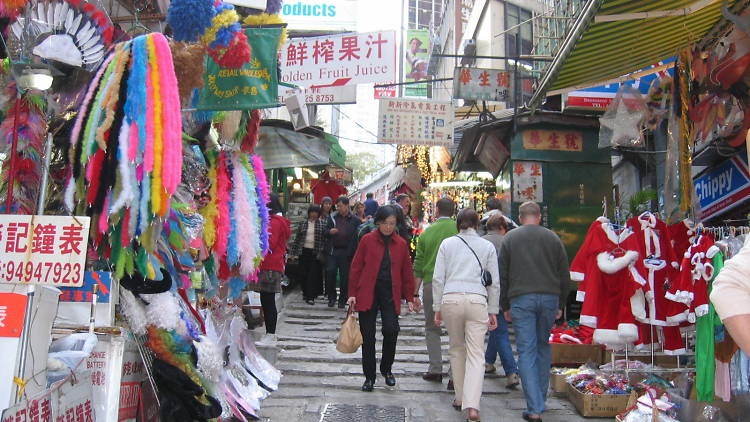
[254, 85]
[416, 58]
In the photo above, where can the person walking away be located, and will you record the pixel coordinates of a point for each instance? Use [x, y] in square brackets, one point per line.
[428, 244]
[380, 278]
[468, 307]
[359, 211]
[534, 286]
[326, 208]
[494, 206]
[308, 245]
[371, 205]
[341, 231]
[272, 268]
[499, 341]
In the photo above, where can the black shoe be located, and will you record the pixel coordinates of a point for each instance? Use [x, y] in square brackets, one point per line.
[450, 386]
[390, 380]
[429, 376]
[331, 303]
[368, 385]
[342, 305]
[310, 302]
[526, 417]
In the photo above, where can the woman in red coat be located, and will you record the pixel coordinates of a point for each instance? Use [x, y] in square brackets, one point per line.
[380, 278]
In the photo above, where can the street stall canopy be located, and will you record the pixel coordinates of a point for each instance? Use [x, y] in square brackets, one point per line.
[612, 38]
[282, 147]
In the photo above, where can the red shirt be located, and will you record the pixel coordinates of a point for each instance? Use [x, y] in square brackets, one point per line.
[329, 188]
[366, 265]
[280, 231]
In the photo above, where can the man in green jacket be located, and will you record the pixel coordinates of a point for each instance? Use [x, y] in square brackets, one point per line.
[424, 265]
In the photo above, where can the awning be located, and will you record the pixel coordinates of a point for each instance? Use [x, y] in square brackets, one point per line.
[281, 148]
[338, 154]
[612, 38]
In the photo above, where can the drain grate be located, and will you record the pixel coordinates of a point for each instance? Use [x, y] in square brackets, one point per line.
[362, 413]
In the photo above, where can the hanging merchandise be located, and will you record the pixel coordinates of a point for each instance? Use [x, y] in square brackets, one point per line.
[186, 56]
[189, 19]
[620, 126]
[126, 153]
[682, 235]
[658, 102]
[237, 220]
[690, 292]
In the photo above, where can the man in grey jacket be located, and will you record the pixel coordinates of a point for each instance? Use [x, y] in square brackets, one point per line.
[534, 278]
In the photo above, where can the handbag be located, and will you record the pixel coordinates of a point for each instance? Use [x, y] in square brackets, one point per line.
[486, 276]
[350, 338]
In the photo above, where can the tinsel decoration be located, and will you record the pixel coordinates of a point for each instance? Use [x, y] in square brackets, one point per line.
[26, 115]
[186, 57]
[248, 132]
[126, 153]
[225, 41]
[268, 19]
[189, 19]
[236, 218]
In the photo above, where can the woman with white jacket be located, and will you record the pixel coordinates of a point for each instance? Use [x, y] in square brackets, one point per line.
[467, 306]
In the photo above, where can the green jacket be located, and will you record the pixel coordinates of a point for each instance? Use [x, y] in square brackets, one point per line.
[428, 244]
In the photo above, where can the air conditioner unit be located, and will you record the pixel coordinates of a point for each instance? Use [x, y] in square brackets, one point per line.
[469, 53]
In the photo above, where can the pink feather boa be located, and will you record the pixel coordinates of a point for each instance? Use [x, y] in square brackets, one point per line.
[223, 223]
[245, 221]
[171, 116]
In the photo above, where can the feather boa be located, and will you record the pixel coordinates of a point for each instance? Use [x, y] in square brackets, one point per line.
[210, 211]
[210, 361]
[252, 134]
[189, 19]
[263, 199]
[164, 311]
[173, 349]
[134, 311]
[251, 185]
[233, 253]
[222, 197]
[247, 232]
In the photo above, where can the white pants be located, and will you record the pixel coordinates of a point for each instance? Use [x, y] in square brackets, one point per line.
[466, 318]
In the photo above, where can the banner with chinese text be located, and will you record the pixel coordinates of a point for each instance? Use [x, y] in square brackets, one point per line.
[338, 60]
[471, 83]
[527, 181]
[70, 400]
[553, 140]
[415, 122]
[43, 249]
[416, 59]
[12, 312]
[253, 86]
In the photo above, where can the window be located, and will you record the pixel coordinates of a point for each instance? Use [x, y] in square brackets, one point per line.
[425, 14]
[520, 20]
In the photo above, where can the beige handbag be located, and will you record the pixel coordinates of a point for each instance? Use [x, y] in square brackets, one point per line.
[350, 338]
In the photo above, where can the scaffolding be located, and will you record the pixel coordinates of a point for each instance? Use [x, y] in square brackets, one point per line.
[551, 25]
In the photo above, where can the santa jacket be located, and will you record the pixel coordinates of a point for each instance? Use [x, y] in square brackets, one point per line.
[366, 265]
[280, 231]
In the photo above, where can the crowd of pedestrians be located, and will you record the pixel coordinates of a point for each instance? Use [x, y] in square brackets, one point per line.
[473, 275]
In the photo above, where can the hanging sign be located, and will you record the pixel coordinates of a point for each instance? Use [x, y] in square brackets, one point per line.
[323, 95]
[43, 249]
[723, 187]
[471, 83]
[338, 60]
[553, 140]
[527, 181]
[416, 60]
[70, 400]
[415, 122]
[385, 92]
[253, 86]
[320, 15]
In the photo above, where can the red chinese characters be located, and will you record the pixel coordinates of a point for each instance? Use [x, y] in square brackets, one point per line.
[70, 240]
[349, 48]
[323, 51]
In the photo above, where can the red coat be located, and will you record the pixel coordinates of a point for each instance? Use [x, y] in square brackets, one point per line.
[366, 265]
[280, 231]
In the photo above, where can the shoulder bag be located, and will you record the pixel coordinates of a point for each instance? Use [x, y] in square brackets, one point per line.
[486, 276]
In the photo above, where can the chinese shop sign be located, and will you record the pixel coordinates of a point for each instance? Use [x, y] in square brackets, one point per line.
[527, 181]
[471, 83]
[338, 60]
[553, 140]
[70, 401]
[415, 122]
[12, 311]
[253, 86]
[40, 249]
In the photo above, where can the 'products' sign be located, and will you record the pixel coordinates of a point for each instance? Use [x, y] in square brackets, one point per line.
[320, 15]
[723, 187]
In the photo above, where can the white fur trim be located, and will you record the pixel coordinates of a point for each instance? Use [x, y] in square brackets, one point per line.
[654, 264]
[691, 317]
[134, 311]
[637, 276]
[713, 250]
[570, 339]
[701, 310]
[679, 318]
[164, 311]
[609, 338]
[610, 265]
[676, 265]
[602, 219]
[628, 332]
[638, 306]
[580, 296]
[675, 352]
[576, 276]
[614, 237]
[587, 320]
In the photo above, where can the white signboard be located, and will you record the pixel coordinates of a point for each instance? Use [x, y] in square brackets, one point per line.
[415, 122]
[471, 83]
[320, 15]
[337, 60]
[323, 95]
[527, 181]
[69, 401]
[42, 249]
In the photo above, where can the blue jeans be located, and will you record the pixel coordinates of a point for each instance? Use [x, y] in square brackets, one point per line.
[499, 343]
[533, 316]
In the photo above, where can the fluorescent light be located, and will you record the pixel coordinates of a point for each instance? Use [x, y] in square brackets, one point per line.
[456, 184]
[298, 172]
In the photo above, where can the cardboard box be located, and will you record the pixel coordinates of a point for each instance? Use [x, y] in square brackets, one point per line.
[662, 360]
[558, 384]
[598, 405]
[576, 354]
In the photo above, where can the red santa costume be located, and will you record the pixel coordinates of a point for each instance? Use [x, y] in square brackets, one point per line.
[657, 269]
[604, 265]
[682, 235]
[690, 293]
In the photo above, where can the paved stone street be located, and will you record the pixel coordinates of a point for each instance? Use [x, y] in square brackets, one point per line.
[317, 379]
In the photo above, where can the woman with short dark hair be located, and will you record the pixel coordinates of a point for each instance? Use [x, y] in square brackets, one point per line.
[467, 305]
[381, 277]
[309, 244]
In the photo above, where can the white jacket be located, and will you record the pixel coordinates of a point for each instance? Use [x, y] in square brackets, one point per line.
[457, 270]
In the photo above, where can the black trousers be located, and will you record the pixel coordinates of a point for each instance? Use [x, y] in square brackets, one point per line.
[270, 314]
[311, 274]
[390, 329]
[338, 263]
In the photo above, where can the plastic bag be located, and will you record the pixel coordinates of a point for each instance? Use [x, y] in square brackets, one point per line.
[350, 338]
[620, 125]
[66, 353]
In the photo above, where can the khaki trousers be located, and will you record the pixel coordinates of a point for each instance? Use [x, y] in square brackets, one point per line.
[465, 316]
[432, 333]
